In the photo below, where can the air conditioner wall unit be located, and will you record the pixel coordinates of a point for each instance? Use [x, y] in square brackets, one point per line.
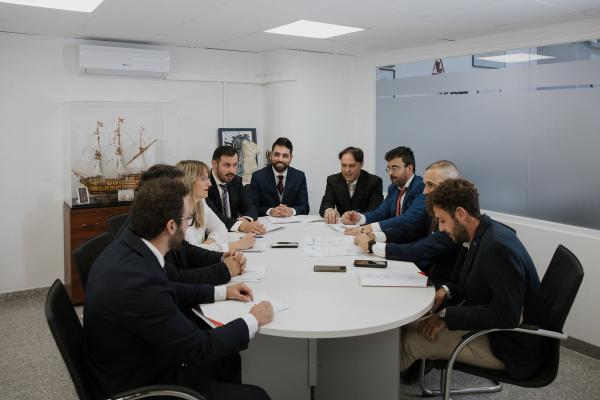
[124, 61]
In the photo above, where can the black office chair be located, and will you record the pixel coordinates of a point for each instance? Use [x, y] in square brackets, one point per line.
[86, 254]
[559, 288]
[115, 223]
[68, 335]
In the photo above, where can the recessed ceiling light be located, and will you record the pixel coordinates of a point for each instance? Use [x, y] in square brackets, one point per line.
[313, 29]
[69, 5]
[515, 58]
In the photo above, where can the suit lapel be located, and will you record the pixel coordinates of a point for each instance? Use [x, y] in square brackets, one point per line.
[359, 190]
[213, 192]
[341, 187]
[473, 249]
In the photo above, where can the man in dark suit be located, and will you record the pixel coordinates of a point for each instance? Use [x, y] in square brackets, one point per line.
[403, 210]
[436, 253]
[279, 190]
[227, 196]
[189, 263]
[353, 189]
[135, 331]
[494, 285]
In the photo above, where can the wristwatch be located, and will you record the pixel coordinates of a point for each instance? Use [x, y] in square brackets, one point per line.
[371, 243]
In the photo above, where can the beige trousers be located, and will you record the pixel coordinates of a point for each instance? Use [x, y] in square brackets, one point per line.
[416, 346]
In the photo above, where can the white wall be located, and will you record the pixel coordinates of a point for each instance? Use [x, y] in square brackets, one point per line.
[37, 76]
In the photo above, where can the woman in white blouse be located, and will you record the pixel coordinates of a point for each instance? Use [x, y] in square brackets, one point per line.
[207, 230]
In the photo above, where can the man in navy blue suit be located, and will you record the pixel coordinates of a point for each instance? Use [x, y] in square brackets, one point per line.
[435, 254]
[279, 190]
[494, 285]
[135, 330]
[403, 210]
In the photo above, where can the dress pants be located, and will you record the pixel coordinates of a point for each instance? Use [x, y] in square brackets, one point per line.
[416, 346]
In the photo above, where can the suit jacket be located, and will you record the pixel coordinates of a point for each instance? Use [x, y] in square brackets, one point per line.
[239, 201]
[435, 254]
[135, 332]
[190, 264]
[497, 280]
[368, 193]
[265, 195]
[412, 223]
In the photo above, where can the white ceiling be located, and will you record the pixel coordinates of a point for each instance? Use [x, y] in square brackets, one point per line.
[239, 24]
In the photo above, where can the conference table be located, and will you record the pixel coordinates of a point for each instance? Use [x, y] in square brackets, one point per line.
[336, 339]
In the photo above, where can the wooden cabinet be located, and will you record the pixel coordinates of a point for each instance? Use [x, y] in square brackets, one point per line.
[82, 222]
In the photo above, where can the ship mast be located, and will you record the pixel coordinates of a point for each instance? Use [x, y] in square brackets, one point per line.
[98, 153]
[121, 166]
[142, 148]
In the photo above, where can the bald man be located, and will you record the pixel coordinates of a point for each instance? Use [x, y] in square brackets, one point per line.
[434, 254]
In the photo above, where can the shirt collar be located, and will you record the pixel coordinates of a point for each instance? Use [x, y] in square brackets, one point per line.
[408, 182]
[154, 250]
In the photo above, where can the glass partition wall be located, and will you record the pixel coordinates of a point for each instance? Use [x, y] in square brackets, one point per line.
[523, 124]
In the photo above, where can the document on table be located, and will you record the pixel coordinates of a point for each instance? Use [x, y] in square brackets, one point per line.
[222, 312]
[270, 227]
[284, 220]
[392, 278]
[252, 273]
[329, 241]
[340, 227]
[257, 248]
[332, 251]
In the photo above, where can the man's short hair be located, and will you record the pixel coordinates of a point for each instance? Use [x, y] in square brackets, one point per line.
[285, 142]
[221, 151]
[157, 202]
[407, 155]
[454, 193]
[160, 171]
[356, 153]
[448, 168]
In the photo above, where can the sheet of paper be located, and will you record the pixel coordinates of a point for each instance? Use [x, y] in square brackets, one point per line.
[332, 251]
[284, 220]
[340, 227]
[270, 227]
[257, 248]
[329, 241]
[224, 312]
[252, 273]
[392, 278]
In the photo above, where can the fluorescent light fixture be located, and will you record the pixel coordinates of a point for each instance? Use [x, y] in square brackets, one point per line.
[312, 29]
[69, 5]
[514, 58]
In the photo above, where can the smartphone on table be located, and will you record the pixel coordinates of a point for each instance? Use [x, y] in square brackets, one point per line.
[284, 245]
[330, 268]
[370, 263]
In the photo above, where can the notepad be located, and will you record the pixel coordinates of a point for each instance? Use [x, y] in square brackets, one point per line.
[284, 220]
[222, 312]
[340, 227]
[332, 251]
[252, 273]
[392, 278]
[328, 241]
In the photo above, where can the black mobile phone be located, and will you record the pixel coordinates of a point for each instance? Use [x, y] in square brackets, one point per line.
[284, 245]
[330, 268]
[370, 263]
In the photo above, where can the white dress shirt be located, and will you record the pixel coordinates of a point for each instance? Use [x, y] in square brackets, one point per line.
[213, 227]
[284, 173]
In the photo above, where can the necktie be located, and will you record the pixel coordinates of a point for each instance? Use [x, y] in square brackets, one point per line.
[280, 184]
[351, 188]
[225, 200]
[399, 201]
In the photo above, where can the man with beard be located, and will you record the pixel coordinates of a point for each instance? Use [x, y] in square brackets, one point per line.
[494, 285]
[189, 263]
[403, 210]
[351, 189]
[227, 196]
[435, 254]
[279, 190]
[135, 331]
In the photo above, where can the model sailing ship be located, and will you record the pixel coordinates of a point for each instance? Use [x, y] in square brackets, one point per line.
[101, 185]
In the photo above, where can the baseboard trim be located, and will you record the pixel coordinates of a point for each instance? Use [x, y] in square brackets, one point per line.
[582, 347]
[24, 294]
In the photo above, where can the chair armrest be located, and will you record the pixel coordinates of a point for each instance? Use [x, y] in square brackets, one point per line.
[179, 392]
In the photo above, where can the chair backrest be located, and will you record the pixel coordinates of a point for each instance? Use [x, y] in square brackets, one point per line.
[558, 288]
[68, 335]
[115, 223]
[86, 254]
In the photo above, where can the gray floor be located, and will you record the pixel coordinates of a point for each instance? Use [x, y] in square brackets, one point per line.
[31, 367]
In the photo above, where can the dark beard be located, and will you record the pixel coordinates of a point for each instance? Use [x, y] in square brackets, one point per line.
[460, 235]
[176, 241]
[277, 168]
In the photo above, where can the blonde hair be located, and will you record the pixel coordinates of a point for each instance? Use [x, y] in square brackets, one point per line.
[193, 169]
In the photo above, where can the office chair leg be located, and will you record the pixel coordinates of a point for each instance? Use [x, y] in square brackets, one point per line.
[427, 392]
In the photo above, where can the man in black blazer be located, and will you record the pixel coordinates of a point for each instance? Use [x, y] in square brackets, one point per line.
[135, 331]
[279, 190]
[227, 196]
[436, 253]
[494, 285]
[189, 263]
[353, 189]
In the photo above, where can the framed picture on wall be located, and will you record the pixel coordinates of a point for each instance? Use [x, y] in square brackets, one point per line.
[244, 141]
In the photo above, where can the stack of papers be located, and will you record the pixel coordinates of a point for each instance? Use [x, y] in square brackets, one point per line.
[392, 278]
[252, 273]
[222, 312]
